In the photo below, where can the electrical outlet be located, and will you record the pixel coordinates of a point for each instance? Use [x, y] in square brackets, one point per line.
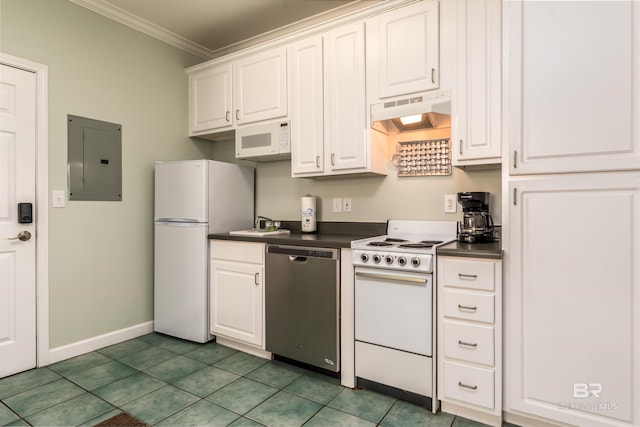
[449, 203]
[337, 204]
[57, 199]
[346, 204]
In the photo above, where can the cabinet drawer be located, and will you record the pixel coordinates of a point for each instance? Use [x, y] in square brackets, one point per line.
[469, 274]
[471, 343]
[469, 384]
[246, 252]
[469, 306]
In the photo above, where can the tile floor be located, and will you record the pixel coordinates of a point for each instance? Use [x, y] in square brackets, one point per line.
[170, 382]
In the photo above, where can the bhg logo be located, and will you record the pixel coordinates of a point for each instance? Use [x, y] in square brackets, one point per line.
[585, 390]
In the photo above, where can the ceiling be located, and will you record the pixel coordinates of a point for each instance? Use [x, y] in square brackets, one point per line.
[211, 28]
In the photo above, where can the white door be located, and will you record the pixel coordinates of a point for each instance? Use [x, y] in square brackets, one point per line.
[344, 91]
[305, 61]
[572, 100]
[17, 185]
[574, 298]
[236, 301]
[210, 99]
[260, 86]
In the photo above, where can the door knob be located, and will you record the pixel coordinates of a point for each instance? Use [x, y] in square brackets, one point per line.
[23, 236]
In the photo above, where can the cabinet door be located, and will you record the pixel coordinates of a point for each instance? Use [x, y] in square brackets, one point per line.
[409, 50]
[210, 99]
[478, 87]
[260, 86]
[345, 106]
[236, 301]
[305, 63]
[574, 299]
[573, 85]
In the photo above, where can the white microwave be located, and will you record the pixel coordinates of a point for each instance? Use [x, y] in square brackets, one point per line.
[264, 142]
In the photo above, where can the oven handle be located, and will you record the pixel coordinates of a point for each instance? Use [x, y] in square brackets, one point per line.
[391, 277]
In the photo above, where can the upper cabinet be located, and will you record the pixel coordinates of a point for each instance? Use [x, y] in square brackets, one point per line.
[260, 86]
[226, 93]
[210, 103]
[573, 84]
[403, 51]
[476, 110]
[329, 132]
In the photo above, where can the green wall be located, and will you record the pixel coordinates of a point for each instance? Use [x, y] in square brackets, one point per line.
[101, 253]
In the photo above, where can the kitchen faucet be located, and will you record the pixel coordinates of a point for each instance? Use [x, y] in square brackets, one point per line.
[268, 222]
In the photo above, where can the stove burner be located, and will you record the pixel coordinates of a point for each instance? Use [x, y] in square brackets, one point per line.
[380, 244]
[421, 245]
[394, 240]
[431, 242]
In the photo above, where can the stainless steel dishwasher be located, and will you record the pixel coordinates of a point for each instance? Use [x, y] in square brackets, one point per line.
[302, 304]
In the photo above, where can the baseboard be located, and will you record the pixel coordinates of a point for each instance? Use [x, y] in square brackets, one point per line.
[90, 344]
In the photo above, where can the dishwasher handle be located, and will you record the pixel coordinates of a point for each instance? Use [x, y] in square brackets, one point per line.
[301, 253]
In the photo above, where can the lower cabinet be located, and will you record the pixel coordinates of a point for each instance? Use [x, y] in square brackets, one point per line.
[469, 337]
[236, 293]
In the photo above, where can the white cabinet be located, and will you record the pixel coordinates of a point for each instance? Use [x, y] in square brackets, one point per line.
[210, 102]
[403, 50]
[476, 111]
[329, 132]
[235, 91]
[236, 292]
[306, 98]
[260, 86]
[574, 298]
[470, 337]
[572, 86]
[572, 96]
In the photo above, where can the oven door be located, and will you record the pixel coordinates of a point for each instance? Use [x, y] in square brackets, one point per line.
[394, 309]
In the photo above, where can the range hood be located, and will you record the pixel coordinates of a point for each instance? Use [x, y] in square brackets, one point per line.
[416, 112]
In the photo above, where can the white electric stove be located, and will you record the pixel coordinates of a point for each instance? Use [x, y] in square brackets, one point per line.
[394, 306]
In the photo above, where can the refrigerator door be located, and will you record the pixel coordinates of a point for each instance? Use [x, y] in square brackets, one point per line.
[231, 189]
[181, 278]
[181, 191]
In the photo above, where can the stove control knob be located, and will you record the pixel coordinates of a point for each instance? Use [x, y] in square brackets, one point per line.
[364, 258]
[376, 258]
[388, 259]
[415, 261]
[402, 261]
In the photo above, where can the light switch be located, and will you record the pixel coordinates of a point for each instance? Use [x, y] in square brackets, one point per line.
[58, 199]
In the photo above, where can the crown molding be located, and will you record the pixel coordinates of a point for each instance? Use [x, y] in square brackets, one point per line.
[132, 21]
[338, 16]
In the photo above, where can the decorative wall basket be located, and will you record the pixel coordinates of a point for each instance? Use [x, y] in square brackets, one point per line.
[420, 158]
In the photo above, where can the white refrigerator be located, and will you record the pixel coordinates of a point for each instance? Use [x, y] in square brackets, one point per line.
[192, 199]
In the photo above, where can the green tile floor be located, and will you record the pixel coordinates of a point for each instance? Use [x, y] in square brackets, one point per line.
[170, 382]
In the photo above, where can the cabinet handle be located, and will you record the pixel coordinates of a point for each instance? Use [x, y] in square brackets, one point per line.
[433, 75]
[460, 147]
[467, 276]
[333, 159]
[467, 344]
[227, 116]
[466, 307]
[318, 162]
[237, 114]
[515, 194]
[515, 159]
[256, 279]
[470, 387]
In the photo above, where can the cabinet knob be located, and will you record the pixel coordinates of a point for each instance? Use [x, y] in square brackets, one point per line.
[227, 115]
[237, 114]
[333, 159]
[318, 162]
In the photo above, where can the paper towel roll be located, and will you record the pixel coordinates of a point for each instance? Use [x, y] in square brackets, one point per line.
[308, 213]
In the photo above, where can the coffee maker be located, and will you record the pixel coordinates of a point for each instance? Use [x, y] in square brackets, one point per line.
[476, 224]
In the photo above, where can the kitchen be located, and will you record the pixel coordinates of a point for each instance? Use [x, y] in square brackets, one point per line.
[94, 65]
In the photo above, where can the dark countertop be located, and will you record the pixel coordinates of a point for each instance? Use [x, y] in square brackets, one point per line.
[329, 235]
[492, 250]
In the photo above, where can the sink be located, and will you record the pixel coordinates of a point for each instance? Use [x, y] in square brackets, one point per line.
[259, 232]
